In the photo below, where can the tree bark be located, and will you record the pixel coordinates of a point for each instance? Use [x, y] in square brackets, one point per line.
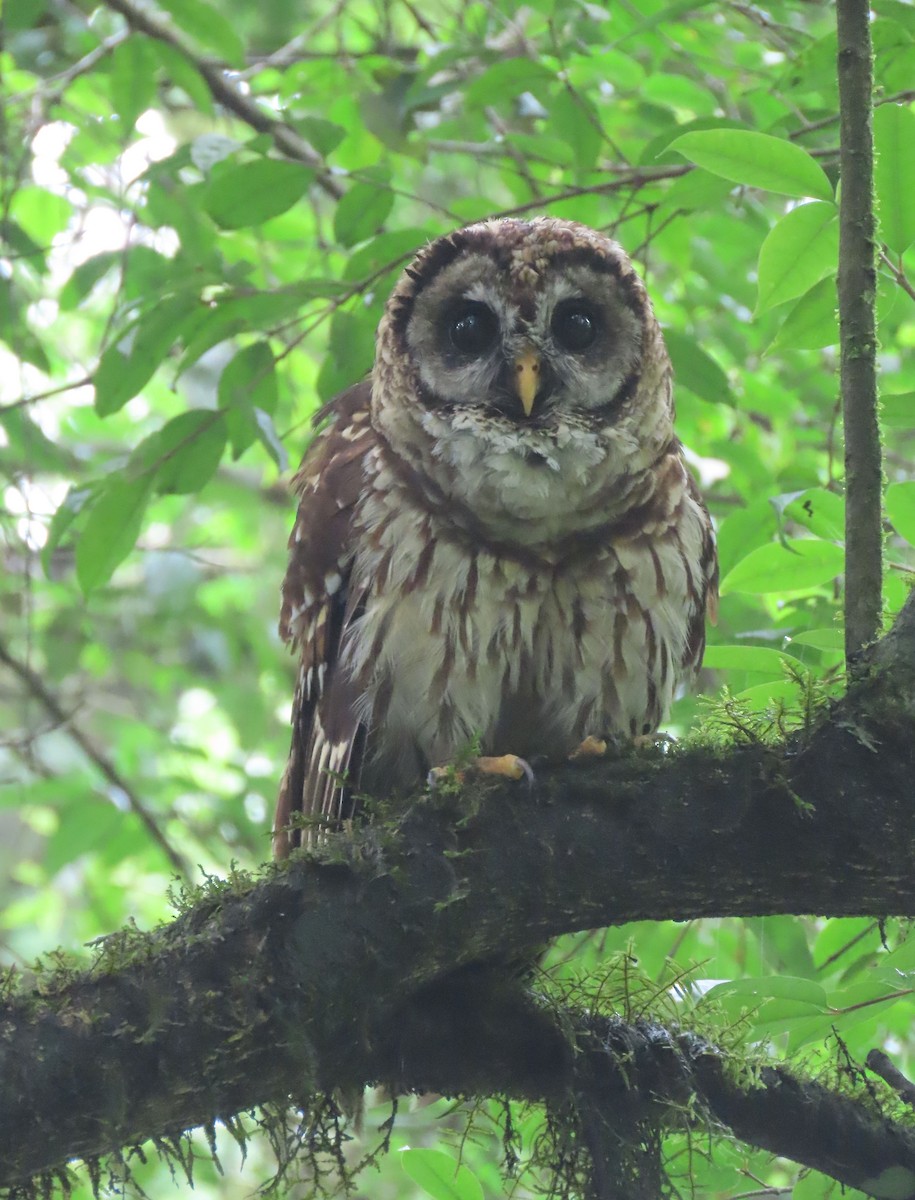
[858, 333]
[297, 984]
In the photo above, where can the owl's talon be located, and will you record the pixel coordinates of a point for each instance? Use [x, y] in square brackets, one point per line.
[590, 747]
[509, 766]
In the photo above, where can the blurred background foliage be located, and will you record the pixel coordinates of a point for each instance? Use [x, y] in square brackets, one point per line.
[203, 208]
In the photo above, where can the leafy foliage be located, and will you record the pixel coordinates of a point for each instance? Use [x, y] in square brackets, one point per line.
[203, 209]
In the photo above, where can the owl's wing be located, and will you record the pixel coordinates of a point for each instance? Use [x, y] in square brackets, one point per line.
[318, 604]
[706, 607]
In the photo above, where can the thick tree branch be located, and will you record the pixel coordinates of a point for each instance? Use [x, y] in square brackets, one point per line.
[857, 330]
[298, 983]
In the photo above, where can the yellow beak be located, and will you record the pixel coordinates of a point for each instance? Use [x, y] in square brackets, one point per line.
[527, 379]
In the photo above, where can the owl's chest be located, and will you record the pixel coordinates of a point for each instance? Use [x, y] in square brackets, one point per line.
[454, 642]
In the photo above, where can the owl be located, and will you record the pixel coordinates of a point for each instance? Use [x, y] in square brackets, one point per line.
[498, 540]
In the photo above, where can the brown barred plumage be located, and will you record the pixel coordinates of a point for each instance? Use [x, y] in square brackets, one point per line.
[497, 535]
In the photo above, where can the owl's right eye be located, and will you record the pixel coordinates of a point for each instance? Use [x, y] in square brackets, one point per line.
[474, 328]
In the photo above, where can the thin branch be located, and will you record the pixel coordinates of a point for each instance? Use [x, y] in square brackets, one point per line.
[825, 122]
[51, 89]
[285, 138]
[25, 401]
[857, 286]
[35, 685]
[880, 1064]
[898, 273]
[622, 177]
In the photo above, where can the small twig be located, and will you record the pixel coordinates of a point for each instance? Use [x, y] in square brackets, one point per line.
[621, 177]
[898, 273]
[880, 1064]
[36, 687]
[825, 122]
[25, 401]
[836, 955]
[222, 90]
[857, 288]
[52, 88]
[764, 1191]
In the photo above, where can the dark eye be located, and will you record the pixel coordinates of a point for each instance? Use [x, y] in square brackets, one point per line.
[574, 325]
[474, 328]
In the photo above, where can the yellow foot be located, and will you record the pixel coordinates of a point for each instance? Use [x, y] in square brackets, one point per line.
[509, 766]
[591, 747]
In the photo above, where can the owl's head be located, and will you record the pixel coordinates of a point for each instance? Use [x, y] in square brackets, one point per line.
[527, 320]
[513, 345]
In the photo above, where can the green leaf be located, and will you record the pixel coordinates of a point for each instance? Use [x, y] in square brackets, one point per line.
[440, 1175]
[508, 79]
[898, 411]
[207, 25]
[796, 565]
[623, 71]
[763, 696]
[797, 253]
[697, 190]
[111, 530]
[40, 214]
[816, 509]
[389, 250]
[183, 454]
[324, 135]
[894, 174]
[211, 148]
[25, 438]
[85, 276]
[696, 370]
[765, 987]
[22, 245]
[246, 383]
[574, 119]
[678, 93]
[361, 212]
[67, 512]
[756, 160]
[814, 1186]
[123, 372]
[745, 658]
[832, 637]
[743, 530]
[902, 11]
[268, 437]
[892, 1183]
[252, 192]
[182, 74]
[132, 73]
[813, 322]
[85, 823]
[23, 14]
[900, 508]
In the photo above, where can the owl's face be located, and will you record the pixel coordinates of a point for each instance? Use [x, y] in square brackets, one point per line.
[561, 339]
[514, 345]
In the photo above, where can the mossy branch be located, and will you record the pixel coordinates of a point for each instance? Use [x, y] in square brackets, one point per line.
[275, 990]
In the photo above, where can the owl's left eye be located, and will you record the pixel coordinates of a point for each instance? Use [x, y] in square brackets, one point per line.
[574, 325]
[474, 328]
